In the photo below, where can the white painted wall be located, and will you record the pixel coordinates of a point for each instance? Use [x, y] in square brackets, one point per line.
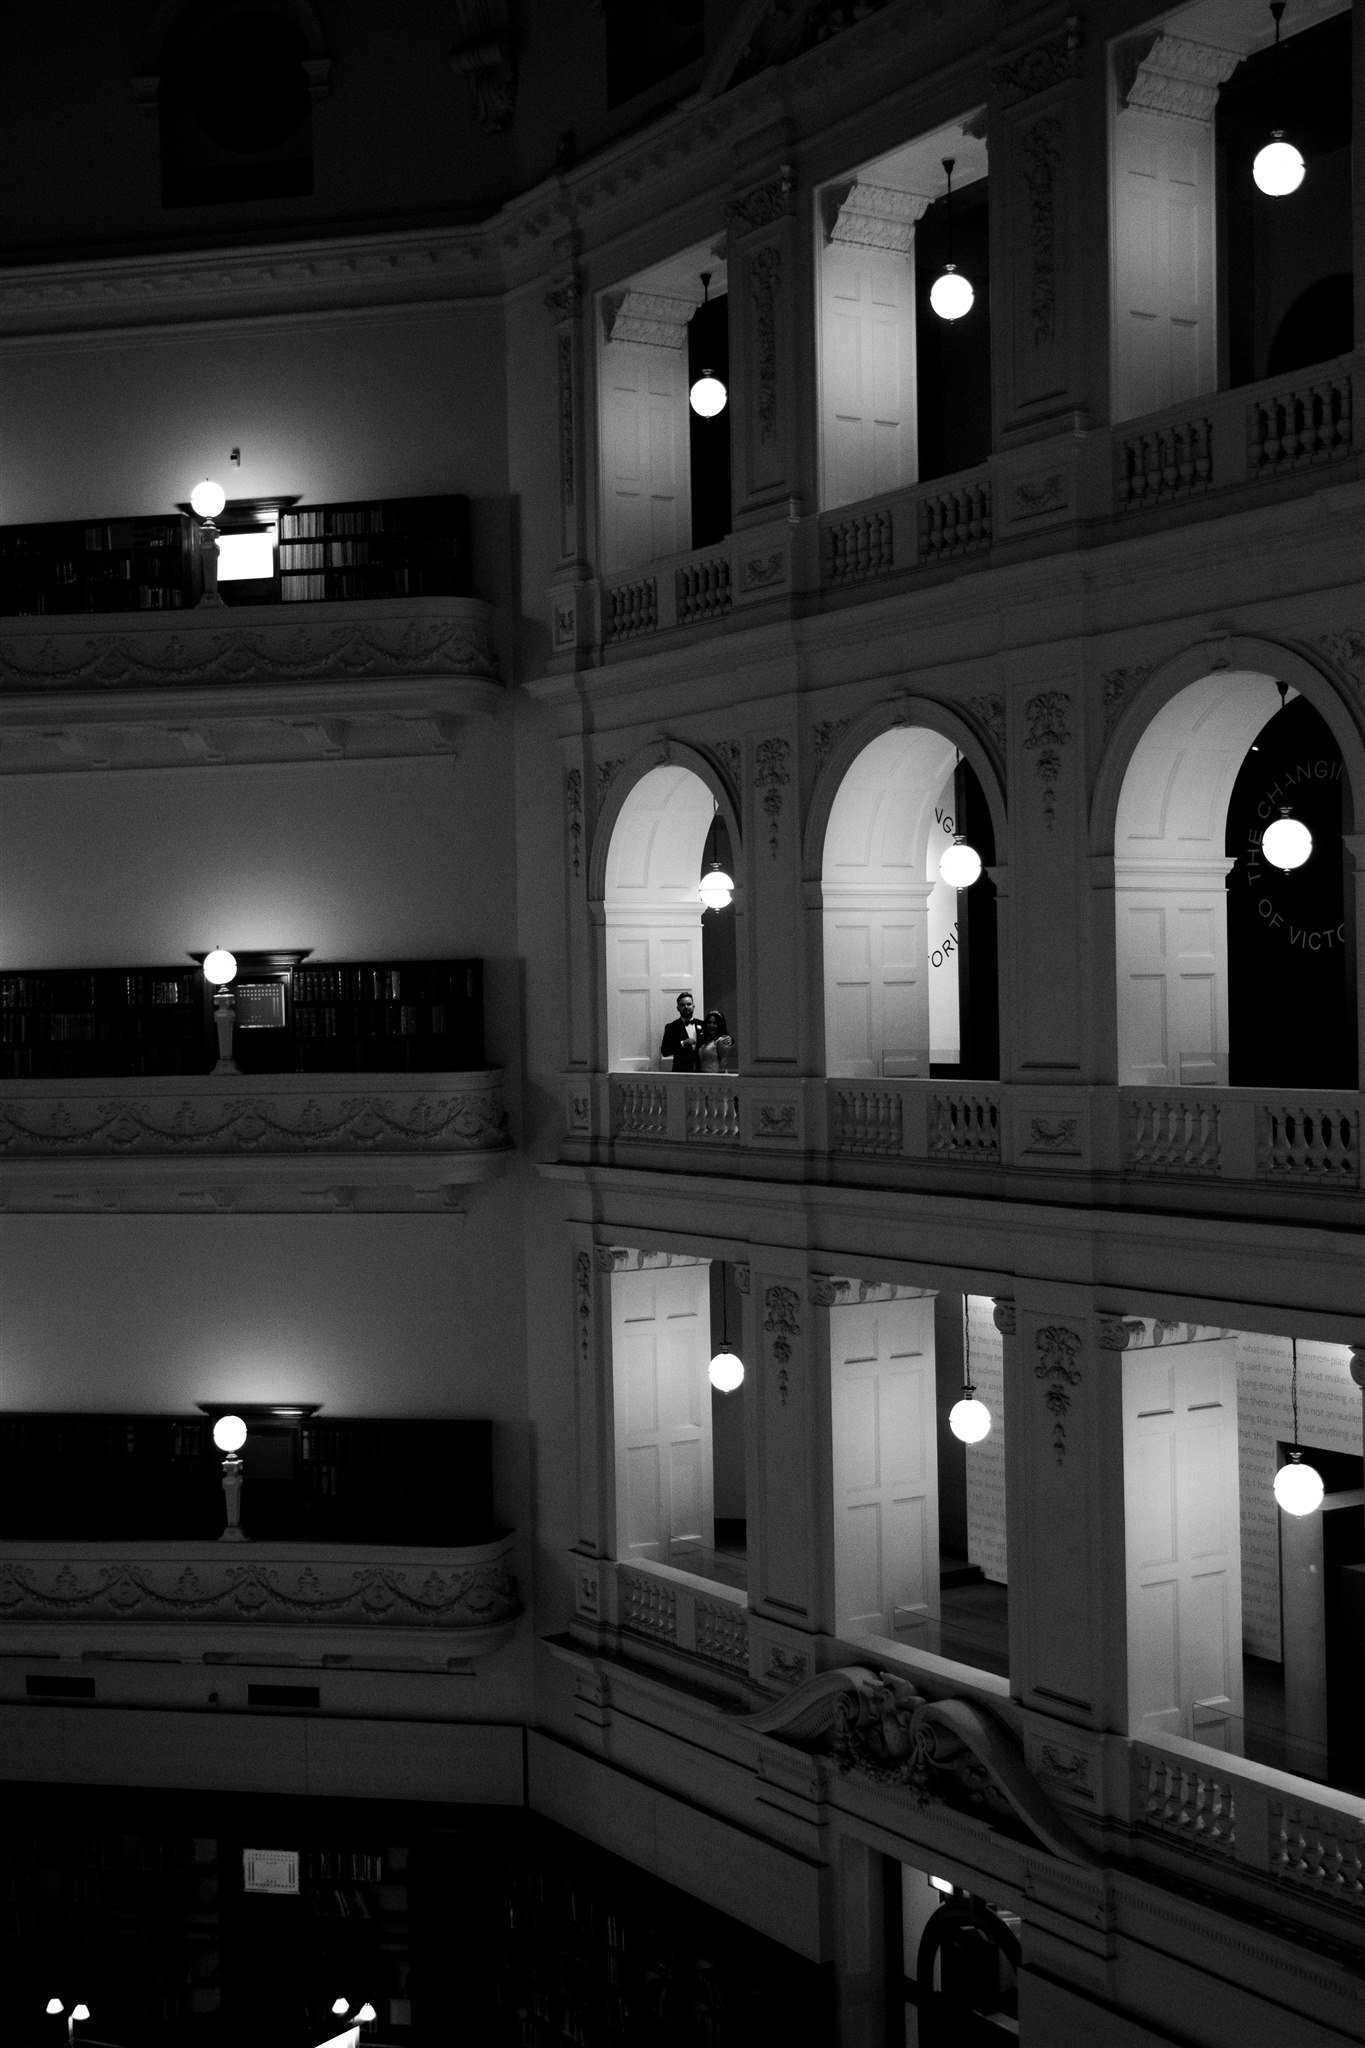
[653, 912]
[877, 892]
[1169, 872]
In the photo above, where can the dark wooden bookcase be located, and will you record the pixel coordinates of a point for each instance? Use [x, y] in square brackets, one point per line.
[393, 547]
[109, 565]
[63, 1023]
[423, 1016]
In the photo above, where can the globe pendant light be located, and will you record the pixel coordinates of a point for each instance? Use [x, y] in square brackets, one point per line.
[968, 1418]
[1287, 843]
[1298, 1487]
[715, 887]
[951, 294]
[1278, 169]
[708, 395]
[726, 1370]
[960, 863]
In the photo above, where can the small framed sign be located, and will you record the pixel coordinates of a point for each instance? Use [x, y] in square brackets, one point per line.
[260, 1005]
[270, 1870]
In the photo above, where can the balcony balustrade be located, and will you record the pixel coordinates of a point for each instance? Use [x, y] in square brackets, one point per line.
[1216, 445]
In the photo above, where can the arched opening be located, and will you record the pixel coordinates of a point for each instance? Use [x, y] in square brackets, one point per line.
[1209, 773]
[910, 962]
[660, 942]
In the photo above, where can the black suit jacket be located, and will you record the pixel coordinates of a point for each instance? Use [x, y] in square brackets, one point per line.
[677, 1050]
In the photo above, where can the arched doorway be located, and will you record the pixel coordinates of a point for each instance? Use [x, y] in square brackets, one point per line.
[910, 963]
[659, 941]
[1205, 779]
[967, 1973]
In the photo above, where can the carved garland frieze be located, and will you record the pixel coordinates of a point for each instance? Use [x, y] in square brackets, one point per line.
[573, 797]
[607, 772]
[150, 1127]
[1057, 1348]
[764, 276]
[1046, 64]
[583, 1306]
[782, 1324]
[1048, 732]
[772, 777]
[764, 204]
[564, 369]
[1040, 150]
[321, 1591]
[294, 651]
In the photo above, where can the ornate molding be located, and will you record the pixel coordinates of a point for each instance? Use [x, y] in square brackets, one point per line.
[763, 205]
[630, 1258]
[1147, 1333]
[583, 1307]
[564, 381]
[195, 1585]
[573, 798]
[1040, 151]
[782, 1324]
[486, 57]
[877, 1726]
[730, 755]
[653, 319]
[832, 1290]
[772, 776]
[1117, 685]
[989, 713]
[1048, 732]
[1005, 1316]
[765, 274]
[1057, 1348]
[565, 300]
[1049, 491]
[825, 737]
[1058, 1136]
[1026, 73]
[1346, 651]
[740, 1269]
[878, 217]
[1169, 75]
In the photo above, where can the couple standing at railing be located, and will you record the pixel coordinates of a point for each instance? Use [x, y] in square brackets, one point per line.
[692, 1048]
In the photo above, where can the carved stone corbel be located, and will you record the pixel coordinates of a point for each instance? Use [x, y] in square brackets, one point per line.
[486, 55]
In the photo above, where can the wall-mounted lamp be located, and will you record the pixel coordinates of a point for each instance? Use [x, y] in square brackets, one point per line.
[220, 969]
[207, 500]
[951, 294]
[229, 1434]
[968, 1418]
[1278, 168]
[708, 395]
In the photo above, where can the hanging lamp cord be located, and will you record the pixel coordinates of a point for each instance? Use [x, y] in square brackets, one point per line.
[1294, 1395]
[968, 1389]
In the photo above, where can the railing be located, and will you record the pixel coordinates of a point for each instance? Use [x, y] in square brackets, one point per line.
[906, 529]
[632, 608]
[1300, 424]
[703, 587]
[965, 1124]
[712, 1110]
[858, 546]
[1308, 1142]
[1165, 1133]
[1171, 460]
[1308, 1139]
[866, 1119]
[1233, 1811]
[954, 519]
[639, 1109]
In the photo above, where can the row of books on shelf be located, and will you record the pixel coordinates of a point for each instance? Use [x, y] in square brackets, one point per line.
[389, 1020]
[345, 1866]
[74, 989]
[377, 579]
[324, 520]
[330, 554]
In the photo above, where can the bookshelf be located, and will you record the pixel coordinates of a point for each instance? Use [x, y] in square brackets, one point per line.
[110, 565]
[66, 1023]
[392, 1016]
[394, 547]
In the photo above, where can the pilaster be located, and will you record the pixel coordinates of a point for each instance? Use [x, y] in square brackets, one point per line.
[763, 276]
[773, 899]
[788, 1516]
[590, 1269]
[573, 618]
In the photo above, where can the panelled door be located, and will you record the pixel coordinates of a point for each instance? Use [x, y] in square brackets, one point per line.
[1172, 949]
[869, 428]
[649, 964]
[886, 1567]
[1183, 1543]
[1165, 339]
[879, 980]
[647, 494]
[661, 1348]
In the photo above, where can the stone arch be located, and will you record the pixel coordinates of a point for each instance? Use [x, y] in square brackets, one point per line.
[646, 859]
[883, 926]
[1158, 825]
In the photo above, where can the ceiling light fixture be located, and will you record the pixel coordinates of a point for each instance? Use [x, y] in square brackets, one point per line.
[1278, 168]
[951, 294]
[960, 863]
[708, 395]
[726, 1370]
[715, 887]
[1298, 1487]
[969, 1419]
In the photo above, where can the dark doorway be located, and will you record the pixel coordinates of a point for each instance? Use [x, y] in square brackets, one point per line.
[954, 372]
[708, 350]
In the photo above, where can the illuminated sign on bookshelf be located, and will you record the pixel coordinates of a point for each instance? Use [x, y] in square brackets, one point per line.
[260, 1005]
[270, 1870]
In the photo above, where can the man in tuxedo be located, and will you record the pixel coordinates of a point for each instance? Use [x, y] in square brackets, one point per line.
[681, 1039]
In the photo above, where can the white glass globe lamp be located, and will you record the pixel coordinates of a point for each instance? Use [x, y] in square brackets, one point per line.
[1298, 1487]
[708, 396]
[207, 499]
[229, 1434]
[715, 887]
[1287, 843]
[219, 966]
[726, 1372]
[969, 1419]
[960, 864]
[951, 294]
[1278, 169]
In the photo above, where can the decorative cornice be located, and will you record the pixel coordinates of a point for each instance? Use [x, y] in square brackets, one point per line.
[629, 1258]
[877, 1726]
[200, 1585]
[1167, 74]
[878, 217]
[782, 1324]
[652, 318]
[1147, 1333]
[830, 1290]
[1057, 1349]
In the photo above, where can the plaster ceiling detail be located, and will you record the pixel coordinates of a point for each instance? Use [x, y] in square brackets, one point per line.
[873, 216]
[1173, 76]
[652, 318]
